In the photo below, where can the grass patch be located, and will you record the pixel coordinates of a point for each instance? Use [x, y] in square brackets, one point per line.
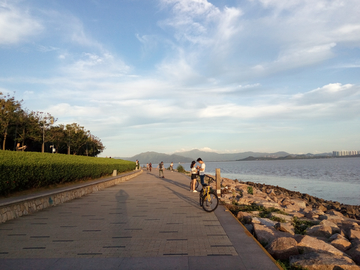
[286, 265]
[250, 190]
[300, 226]
[264, 212]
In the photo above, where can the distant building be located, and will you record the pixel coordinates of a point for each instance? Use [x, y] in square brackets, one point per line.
[345, 153]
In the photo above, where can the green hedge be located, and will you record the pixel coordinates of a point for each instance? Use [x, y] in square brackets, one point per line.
[26, 170]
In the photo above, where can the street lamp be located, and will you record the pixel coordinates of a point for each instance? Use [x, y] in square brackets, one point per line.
[44, 122]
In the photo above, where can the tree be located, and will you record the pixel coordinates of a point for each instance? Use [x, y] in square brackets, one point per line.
[9, 113]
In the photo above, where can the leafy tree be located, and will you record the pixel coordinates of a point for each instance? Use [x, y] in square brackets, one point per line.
[36, 129]
[9, 113]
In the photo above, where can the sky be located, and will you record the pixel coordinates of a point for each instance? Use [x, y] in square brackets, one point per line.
[175, 75]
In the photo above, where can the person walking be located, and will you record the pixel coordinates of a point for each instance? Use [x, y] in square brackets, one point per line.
[150, 166]
[137, 165]
[171, 166]
[161, 169]
[201, 169]
[194, 173]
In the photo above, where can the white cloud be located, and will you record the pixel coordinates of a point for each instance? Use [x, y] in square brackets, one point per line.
[331, 93]
[92, 66]
[247, 86]
[17, 25]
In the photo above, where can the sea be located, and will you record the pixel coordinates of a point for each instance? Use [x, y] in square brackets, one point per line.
[334, 179]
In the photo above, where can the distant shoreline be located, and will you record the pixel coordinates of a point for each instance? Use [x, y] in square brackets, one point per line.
[291, 157]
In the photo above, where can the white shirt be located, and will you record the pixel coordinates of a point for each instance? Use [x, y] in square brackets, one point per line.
[202, 171]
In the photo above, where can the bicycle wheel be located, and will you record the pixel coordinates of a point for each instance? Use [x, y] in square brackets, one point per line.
[210, 202]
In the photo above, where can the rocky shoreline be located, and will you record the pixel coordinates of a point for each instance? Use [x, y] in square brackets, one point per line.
[303, 231]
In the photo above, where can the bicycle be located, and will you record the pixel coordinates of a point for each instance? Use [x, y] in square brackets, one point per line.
[209, 180]
[208, 199]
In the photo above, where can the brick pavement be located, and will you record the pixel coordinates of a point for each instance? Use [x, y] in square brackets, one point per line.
[145, 223]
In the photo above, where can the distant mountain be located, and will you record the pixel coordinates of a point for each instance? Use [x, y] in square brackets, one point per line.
[212, 156]
[156, 158]
[188, 156]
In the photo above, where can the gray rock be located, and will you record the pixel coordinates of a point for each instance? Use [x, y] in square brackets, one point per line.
[282, 248]
[340, 242]
[319, 231]
[267, 222]
[323, 261]
[285, 227]
[250, 228]
[334, 227]
[266, 235]
[354, 253]
[310, 244]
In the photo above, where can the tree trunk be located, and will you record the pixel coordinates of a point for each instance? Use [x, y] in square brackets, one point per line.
[4, 141]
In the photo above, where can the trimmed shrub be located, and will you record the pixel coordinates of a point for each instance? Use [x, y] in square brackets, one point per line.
[26, 170]
[180, 169]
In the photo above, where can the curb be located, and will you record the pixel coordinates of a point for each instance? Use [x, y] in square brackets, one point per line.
[256, 241]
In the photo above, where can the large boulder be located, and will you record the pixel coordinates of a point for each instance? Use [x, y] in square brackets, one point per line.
[267, 222]
[332, 218]
[285, 227]
[282, 248]
[266, 203]
[310, 244]
[266, 235]
[334, 227]
[340, 242]
[354, 253]
[354, 235]
[319, 231]
[351, 231]
[334, 213]
[323, 261]
[244, 217]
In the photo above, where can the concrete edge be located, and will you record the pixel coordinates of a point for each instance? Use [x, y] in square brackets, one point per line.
[256, 241]
[25, 206]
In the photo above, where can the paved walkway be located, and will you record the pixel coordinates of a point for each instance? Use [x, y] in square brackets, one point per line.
[145, 223]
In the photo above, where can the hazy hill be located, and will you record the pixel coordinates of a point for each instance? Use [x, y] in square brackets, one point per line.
[212, 156]
[156, 158]
[188, 156]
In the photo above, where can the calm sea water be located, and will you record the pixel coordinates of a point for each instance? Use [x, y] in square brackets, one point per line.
[336, 179]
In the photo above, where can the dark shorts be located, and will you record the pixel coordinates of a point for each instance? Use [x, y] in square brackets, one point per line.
[193, 176]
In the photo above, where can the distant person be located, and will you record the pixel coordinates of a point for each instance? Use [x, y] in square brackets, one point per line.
[171, 166]
[150, 166]
[20, 148]
[194, 173]
[201, 169]
[137, 164]
[161, 169]
[147, 166]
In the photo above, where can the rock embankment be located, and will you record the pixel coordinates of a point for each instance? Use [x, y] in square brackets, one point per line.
[351, 211]
[304, 230]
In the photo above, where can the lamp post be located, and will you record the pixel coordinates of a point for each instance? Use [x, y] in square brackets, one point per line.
[44, 122]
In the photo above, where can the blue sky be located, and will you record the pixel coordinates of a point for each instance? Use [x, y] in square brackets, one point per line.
[173, 75]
